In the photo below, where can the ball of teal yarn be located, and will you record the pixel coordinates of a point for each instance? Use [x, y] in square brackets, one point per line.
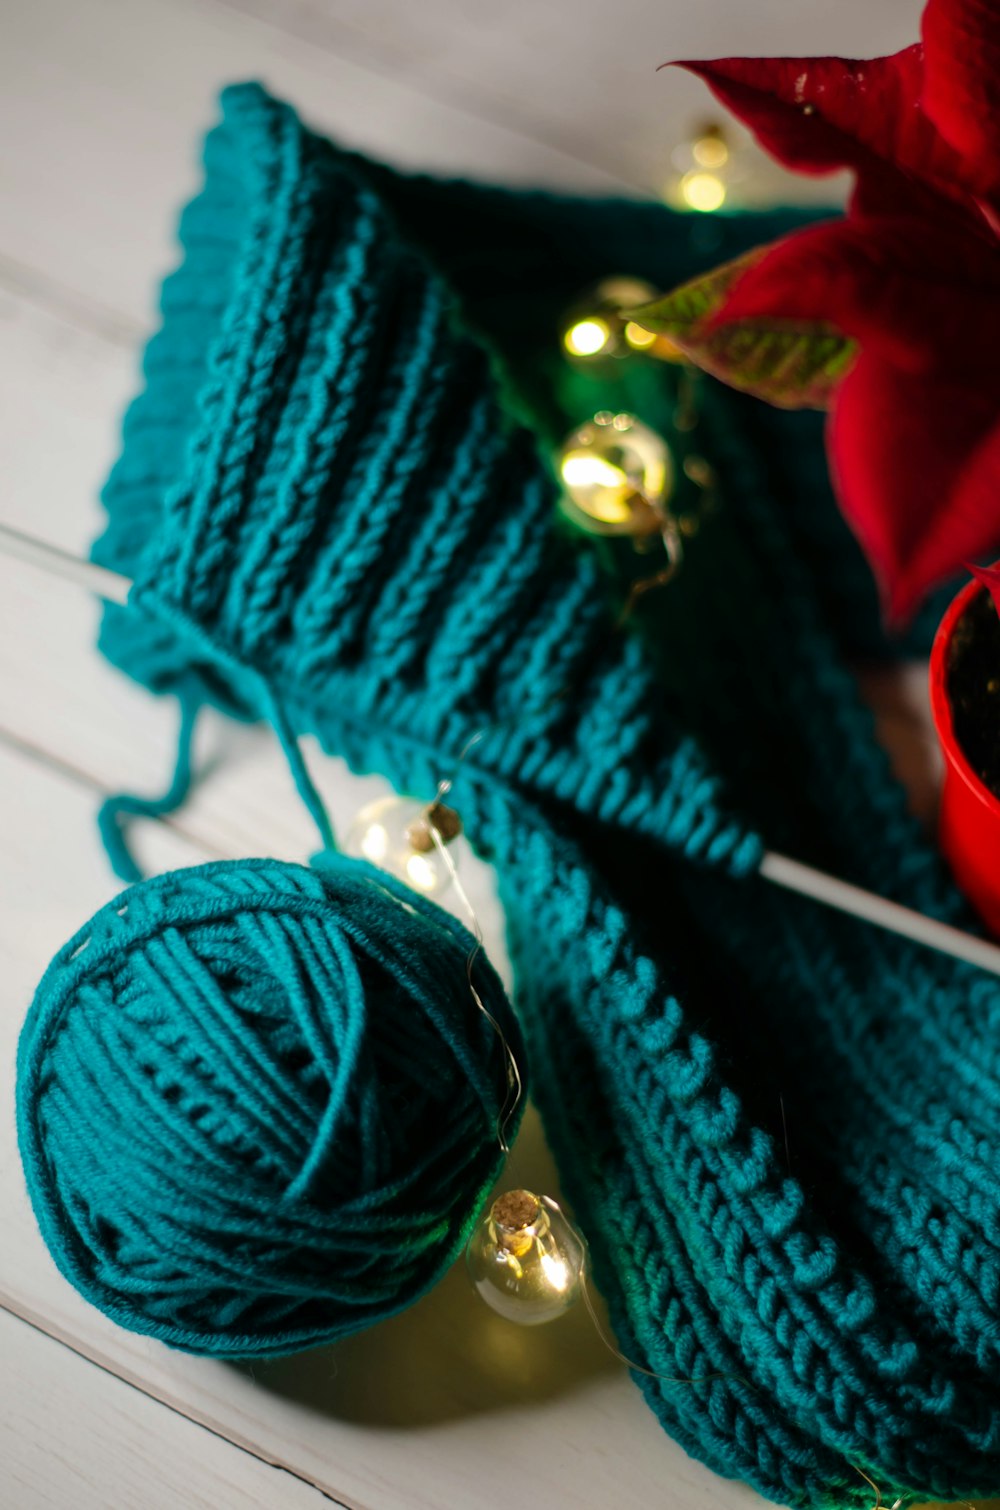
[257, 1103]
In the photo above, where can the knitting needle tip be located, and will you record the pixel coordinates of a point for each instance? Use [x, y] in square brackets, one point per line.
[109, 585]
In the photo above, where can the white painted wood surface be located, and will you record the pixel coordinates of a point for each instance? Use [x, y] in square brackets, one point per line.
[102, 103]
[151, 1448]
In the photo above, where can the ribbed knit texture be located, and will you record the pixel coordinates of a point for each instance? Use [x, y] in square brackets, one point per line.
[318, 481]
[258, 1105]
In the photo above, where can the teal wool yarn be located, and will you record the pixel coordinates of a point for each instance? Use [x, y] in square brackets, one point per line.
[257, 1103]
[326, 501]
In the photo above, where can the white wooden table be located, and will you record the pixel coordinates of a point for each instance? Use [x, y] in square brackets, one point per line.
[102, 103]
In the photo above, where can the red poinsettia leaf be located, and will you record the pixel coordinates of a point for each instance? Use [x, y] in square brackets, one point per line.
[962, 83]
[916, 465]
[988, 577]
[816, 115]
[922, 296]
[907, 289]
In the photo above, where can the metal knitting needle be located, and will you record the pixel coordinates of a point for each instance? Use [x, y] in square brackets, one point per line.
[109, 585]
[779, 869]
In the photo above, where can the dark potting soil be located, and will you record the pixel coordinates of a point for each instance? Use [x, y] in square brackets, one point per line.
[974, 688]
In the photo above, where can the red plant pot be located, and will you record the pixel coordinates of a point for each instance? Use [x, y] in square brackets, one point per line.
[969, 820]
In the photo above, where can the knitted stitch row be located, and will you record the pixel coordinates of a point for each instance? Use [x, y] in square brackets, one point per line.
[319, 482]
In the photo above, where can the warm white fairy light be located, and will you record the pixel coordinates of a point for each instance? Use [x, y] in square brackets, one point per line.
[710, 151]
[526, 1259]
[375, 843]
[383, 833]
[638, 336]
[591, 472]
[587, 337]
[617, 474]
[703, 191]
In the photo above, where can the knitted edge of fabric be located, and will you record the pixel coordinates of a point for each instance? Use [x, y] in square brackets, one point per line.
[869, 1345]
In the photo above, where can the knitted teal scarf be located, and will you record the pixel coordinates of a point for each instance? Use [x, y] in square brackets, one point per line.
[320, 480]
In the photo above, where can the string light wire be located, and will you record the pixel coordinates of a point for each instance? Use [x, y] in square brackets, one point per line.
[878, 1493]
[515, 1083]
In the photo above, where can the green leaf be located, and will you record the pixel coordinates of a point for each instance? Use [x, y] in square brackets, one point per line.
[676, 313]
[791, 363]
[795, 365]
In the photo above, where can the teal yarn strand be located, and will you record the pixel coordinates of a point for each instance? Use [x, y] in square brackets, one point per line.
[116, 810]
[257, 1104]
[322, 492]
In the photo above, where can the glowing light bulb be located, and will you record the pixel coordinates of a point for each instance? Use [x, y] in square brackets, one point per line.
[526, 1258]
[587, 337]
[711, 149]
[661, 346]
[703, 191]
[394, 833]
[639, 337]
[618, 475]
[585, 471]
[710, 170]
[596, 327]
[624, 293]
